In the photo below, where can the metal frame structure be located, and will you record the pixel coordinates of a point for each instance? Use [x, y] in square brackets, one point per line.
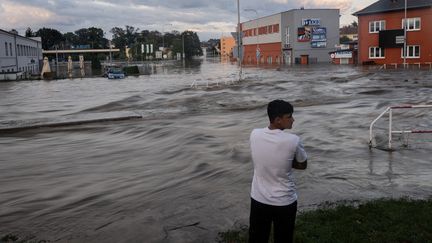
[391, 132]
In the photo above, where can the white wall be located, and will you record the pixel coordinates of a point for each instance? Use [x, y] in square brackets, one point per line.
[25, 56]
[266, 38]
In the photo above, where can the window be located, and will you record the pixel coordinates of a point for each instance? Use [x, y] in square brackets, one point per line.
[6, 49]
[412, 52]
[287, 36]
[413, 24]
[10, 49]
[376, 26]
[269, 59]
[276, 28]
[376, 52]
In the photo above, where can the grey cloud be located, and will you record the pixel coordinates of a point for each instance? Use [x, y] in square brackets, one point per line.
[76, 14]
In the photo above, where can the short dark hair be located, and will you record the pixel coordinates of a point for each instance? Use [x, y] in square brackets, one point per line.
[278, 108]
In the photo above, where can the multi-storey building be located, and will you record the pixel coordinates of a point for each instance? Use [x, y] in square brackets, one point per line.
[227, 44]
[382, 34]
[294, 36]
[19, 53]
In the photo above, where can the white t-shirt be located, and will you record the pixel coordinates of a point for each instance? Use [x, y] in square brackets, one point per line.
[272, 153]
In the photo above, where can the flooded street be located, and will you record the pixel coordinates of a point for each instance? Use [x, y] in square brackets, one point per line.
[74, 169]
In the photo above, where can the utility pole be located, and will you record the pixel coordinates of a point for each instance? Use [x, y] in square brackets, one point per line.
[56, 47]
[183, 49]
[239, 44]
[405, 36]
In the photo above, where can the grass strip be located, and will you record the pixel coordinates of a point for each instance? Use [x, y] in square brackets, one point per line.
[385, 220]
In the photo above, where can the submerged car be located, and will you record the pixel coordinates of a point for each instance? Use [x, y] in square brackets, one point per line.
[116, 73]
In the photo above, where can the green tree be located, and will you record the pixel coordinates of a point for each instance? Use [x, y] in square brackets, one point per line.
[344, 39]
[91, 36]
[50, 38]
[124, 37]
[191, 42]
[29, 32]
[70, 39]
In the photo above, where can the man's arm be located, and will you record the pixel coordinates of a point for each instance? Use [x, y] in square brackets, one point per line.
[299, 165]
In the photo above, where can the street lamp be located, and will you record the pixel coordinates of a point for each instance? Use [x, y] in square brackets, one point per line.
[239, 40]
[405, 35]
[183, 53]
[257, 33]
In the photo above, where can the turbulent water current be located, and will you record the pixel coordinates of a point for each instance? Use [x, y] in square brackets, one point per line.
[156, 159]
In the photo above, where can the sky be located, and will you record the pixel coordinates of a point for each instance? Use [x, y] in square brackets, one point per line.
[209, 18]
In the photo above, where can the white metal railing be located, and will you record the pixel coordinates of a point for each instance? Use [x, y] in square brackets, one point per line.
[391, 132]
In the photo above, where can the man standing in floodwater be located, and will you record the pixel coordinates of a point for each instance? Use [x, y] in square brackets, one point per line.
[273, 193]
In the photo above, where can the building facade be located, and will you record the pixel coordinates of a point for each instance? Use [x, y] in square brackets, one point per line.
[19, 54]
[294, 36]
[381, 32]
[227, 44]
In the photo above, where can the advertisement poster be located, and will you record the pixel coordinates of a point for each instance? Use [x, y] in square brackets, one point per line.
[304, 34]
[319, 37]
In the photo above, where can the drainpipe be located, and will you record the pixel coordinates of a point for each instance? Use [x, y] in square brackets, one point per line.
[16, 53]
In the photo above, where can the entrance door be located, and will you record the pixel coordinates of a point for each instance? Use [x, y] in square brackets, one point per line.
[287, 55]
[344, 61]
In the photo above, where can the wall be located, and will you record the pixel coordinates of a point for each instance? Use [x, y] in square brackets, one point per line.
[26, 53]
[7, 62]
[329, 18]
[394, 21]
[227, 44]
[263, 38]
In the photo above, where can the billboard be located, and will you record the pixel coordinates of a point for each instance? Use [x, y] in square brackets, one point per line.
[391, 38]
[304, 34]
[319, 37]
[311, 22]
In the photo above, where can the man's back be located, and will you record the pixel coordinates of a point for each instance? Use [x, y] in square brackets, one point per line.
[273, 152]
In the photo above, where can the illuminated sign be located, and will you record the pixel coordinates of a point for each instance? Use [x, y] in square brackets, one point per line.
[311, 22]
[319, 37]
[343, 54]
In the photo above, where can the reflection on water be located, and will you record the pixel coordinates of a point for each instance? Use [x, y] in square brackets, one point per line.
[182, 171]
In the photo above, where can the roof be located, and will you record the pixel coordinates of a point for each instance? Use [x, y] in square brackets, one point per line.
[348, 30]
[393, 5]
[37, 39]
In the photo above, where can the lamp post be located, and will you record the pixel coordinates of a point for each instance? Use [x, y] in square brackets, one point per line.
[183, 51]
[257, 33]
[57, 72]
[239, 39]
[110, 55]
[405, 35]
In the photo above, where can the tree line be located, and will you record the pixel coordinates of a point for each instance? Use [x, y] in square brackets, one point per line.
[129, 36]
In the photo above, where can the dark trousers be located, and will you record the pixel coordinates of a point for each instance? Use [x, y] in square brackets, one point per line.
[261, 218]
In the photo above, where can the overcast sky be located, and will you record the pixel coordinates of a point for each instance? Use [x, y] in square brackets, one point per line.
[210, 18]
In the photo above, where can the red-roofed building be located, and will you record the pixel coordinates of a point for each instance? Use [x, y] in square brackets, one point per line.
[381, 32]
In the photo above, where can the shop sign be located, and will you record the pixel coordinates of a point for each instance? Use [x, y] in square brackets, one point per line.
[319, 44]
[311, 22]
[319, 37]
[343, 54]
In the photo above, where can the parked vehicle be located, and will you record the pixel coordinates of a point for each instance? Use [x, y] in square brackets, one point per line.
[115, 74]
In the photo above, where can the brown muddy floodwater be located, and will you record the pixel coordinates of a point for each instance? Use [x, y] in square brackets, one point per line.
[71, 170]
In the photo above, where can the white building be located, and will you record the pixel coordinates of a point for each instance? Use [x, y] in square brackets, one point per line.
[294, 36]
[18, 54]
